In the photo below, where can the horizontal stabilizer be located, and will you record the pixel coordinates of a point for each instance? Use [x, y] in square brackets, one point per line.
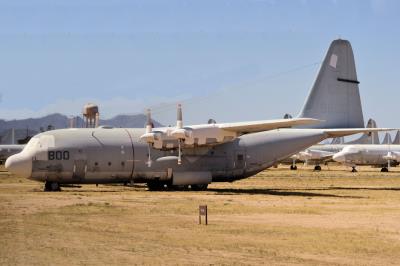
[333, 133]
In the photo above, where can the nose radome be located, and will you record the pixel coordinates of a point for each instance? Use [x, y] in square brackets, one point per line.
[20, 165]
[339, 157]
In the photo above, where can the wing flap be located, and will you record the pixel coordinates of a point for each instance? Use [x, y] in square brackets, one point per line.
[264, 125]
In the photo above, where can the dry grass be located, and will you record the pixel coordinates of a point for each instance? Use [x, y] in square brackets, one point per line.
[279, 217]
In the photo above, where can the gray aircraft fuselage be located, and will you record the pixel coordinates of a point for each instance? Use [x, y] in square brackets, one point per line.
[114, 155]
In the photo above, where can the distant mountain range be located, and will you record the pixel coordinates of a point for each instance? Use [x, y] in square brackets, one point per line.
[31, 126]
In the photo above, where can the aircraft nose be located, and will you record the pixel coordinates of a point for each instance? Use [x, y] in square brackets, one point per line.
[20, 165]
[339, 157]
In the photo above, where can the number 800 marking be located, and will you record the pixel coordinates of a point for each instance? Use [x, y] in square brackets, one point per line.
[58, 155]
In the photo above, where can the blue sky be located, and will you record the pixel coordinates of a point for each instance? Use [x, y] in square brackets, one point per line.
[226, 59]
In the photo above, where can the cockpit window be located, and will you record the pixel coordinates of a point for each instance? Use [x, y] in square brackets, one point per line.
[350, 149]
[41, 142]
[32, 144]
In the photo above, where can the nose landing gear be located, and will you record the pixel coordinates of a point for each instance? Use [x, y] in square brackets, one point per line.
[317, 168]
[51, 186]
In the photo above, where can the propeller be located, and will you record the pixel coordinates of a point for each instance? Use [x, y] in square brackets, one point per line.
[179, 132]
[149, 136]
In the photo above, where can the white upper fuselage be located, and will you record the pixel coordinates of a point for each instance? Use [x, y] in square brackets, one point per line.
[369, 154]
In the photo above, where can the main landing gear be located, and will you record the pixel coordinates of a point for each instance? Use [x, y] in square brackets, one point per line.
[51, 186]
[293, 166]
[384, 170]
[353, 169]
[164, 186]
[317, 168]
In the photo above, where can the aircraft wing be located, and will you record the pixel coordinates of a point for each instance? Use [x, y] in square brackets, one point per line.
[263, 125]
[332, 133]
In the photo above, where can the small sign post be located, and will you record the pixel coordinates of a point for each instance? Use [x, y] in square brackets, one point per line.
[203, 212]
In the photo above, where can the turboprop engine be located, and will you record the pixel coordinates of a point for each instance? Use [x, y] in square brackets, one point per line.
[179, 137]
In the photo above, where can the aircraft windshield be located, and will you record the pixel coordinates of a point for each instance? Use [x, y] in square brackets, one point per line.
[350, 149]
[32, 144]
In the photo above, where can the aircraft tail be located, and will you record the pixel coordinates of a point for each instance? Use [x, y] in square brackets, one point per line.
[338, 140]
[367, 138]
[334, 96]
[397, 138]
[387, 139]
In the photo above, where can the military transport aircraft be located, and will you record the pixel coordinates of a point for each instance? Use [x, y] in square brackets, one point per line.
[197, 155]
[323, 153]
[378, 155]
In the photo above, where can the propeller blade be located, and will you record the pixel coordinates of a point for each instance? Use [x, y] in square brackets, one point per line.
[149, 124]
[179, 152]
[179, 121]
[149, 161]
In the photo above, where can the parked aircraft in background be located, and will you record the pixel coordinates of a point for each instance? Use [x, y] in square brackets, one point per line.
[382, 155]
[322, 153]
[8, 150]
[199, 154]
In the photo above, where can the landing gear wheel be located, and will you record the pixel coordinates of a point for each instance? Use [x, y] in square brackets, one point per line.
[47, 186]
[317, 168]
[293, 167]
[384, 170]
[51, 186]
[199, 187]
[354, 170]
[155, 185]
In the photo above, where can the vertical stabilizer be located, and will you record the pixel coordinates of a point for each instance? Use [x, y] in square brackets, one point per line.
[397, 138]
[387, 139]
[334, 96]
[367, 138]
[338, 140]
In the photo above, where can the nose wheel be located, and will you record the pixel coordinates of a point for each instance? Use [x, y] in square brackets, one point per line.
[51, 186]
[384, 170]
[199, 187]
[317, 168]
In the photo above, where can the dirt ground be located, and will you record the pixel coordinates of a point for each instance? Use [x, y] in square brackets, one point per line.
[278, 217]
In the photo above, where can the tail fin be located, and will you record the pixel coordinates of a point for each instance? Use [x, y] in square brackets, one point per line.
[397, 138]
[338, 140]
[367, 138]
[334, 96]
[387, 139]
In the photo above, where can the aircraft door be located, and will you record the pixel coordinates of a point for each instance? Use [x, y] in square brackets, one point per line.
[239, 162]
[80, 168]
